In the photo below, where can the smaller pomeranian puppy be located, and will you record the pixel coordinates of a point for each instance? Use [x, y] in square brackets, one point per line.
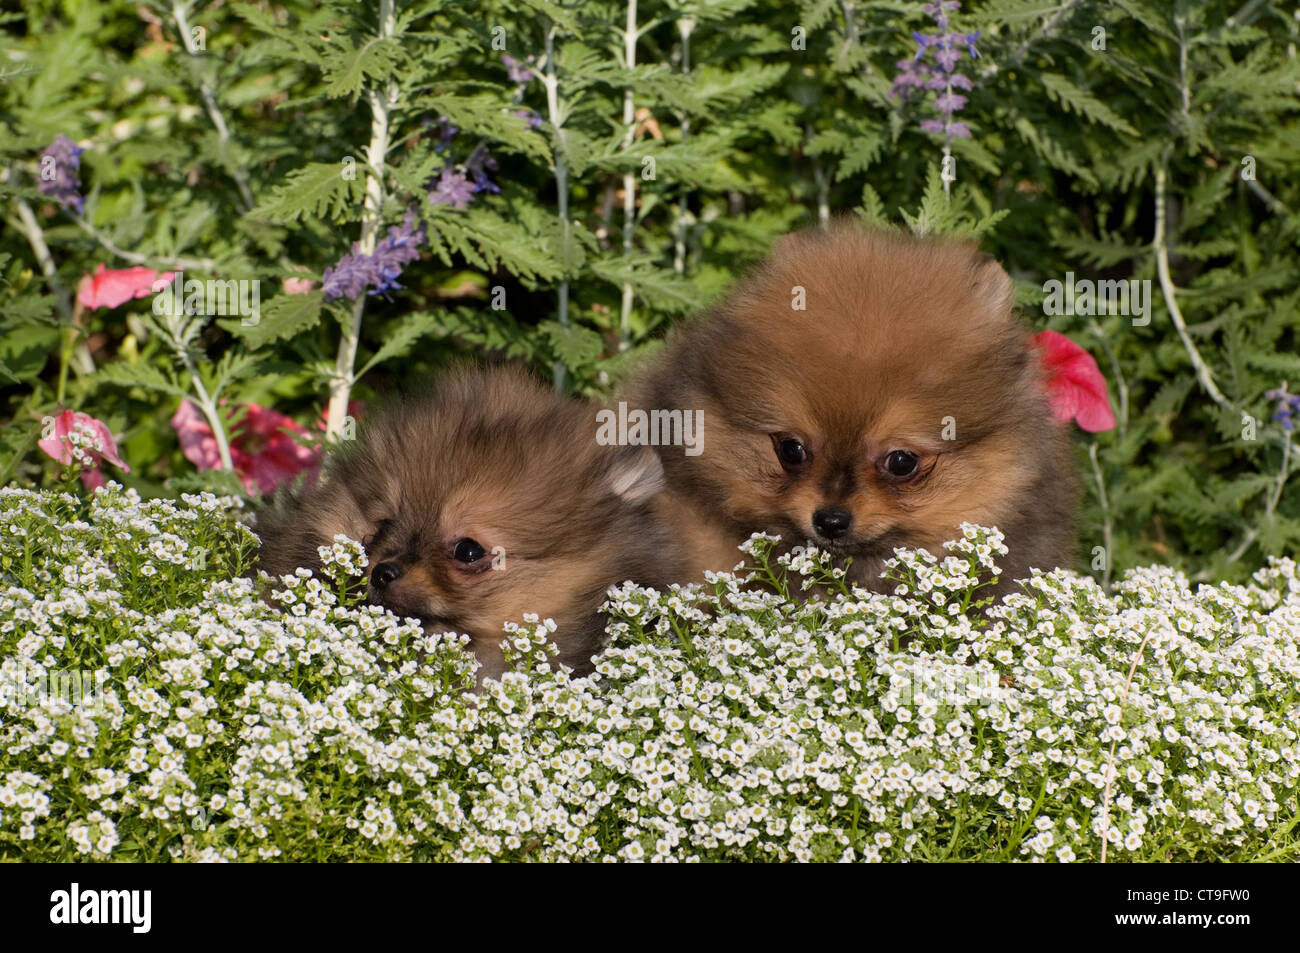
[864, 390]
[484, 499]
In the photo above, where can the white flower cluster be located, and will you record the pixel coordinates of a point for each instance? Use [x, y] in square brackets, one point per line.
[726, 722]
[82, 439]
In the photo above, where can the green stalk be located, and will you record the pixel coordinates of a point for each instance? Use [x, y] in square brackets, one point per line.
[551, 82]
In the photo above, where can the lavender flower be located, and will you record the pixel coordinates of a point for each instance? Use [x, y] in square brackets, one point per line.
[63, 157]
[443, 128]
[453, 189]
[401, 247]
[939, 11]
[940, 76]
[1288, 406]
[478, 165]
[517, 71]
[357, 271]
[531, 116]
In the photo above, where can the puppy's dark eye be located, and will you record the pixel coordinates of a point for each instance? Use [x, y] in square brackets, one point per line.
[901, 463]
[790, 452]
[468, 551]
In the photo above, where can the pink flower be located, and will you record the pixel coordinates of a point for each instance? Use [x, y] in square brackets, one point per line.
[1078, 391]
[262, 447]
[81, 438]
[108, 289]
[298, 286]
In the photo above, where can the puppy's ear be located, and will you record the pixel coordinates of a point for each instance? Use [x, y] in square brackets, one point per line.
[992, 286]
[636, 475]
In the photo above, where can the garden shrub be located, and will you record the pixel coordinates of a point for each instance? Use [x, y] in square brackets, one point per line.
[414, 182]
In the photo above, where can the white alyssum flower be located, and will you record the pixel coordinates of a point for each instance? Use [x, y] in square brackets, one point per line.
[820, 722]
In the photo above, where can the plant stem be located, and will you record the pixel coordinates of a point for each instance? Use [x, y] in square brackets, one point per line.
[344, 378]
[210, 411]
[629, 178]
[173, 324]
[685, 26]
[1046, 30]
[1121, 386]
[823, 186]
[135, 258]
[1271, 506]
[551, 82]
[1105, 513]
[1203, 373]
[31, 229]
[850, 30]
[70, 346]
[180, 13]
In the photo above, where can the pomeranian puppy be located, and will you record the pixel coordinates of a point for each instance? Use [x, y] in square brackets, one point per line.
[864, 390]
[484, 499]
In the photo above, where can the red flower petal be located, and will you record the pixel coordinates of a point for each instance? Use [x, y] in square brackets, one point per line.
[264, 455]
[56, 444]
[1076, 385]
[195, 436]
[108, 289]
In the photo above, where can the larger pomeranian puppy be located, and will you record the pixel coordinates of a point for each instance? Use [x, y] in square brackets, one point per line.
[480, 501]
[864, 390]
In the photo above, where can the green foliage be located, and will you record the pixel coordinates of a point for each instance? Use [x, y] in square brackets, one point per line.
[238, 141]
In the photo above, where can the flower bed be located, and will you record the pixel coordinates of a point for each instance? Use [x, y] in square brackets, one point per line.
[154, 707]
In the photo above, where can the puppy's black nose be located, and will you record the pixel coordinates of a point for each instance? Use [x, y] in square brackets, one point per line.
[832, 523]
[385, 573]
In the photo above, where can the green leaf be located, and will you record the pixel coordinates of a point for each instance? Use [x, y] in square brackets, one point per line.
[1084, 103]
[409, 330]
[575, 345]
[284, 316]
[140, 374]
[346, 71]
[487, 114]
[319, 189]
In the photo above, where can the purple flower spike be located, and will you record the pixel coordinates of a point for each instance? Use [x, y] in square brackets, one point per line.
[357, 271]
[401, 247]
[351, 276]
[1288, 406]
[938, 74]
[517, 71]
[949, 103]
[948, 57]
[57, 174]
[445, 131]
[453, 189]
[531, 116]
[479, 164]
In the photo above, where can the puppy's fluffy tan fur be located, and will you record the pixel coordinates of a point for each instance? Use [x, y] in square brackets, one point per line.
[495, 458]
[900, 336]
